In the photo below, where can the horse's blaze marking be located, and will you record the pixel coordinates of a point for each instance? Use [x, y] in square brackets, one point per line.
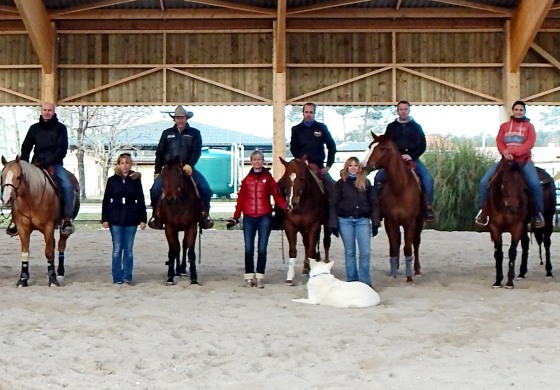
[369, 153]
[291, 189]
[8, 187]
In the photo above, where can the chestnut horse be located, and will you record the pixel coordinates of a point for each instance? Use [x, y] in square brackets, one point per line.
[508, 208]
[306, 211]
[542, 235]
[35, 203]
[400, 203]
[180, 210]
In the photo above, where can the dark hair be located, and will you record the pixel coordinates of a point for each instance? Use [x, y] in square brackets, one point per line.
[403, 102]
[309, 104]
[519, 102]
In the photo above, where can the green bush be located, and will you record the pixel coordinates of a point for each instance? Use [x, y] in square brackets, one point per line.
[457, 170]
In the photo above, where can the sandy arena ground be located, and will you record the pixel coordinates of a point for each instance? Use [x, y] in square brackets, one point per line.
[449, 330]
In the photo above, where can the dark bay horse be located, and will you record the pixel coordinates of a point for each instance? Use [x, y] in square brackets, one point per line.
[542, 235]
[306, 212]
[508, 209]
[400, 203]
[180, 210]
[35, 204]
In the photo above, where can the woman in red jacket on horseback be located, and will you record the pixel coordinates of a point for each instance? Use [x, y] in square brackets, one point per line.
[253, 200]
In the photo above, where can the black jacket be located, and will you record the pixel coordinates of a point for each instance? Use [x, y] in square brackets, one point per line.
[310, 141]
[123, 202]
[174, 146]
[409, 137]
[348, 201]
[48, 140]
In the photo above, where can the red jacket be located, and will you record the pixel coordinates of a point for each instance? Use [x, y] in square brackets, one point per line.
[517, 138]
[253, 198]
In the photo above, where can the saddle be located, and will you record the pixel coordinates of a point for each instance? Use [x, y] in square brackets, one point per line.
[55, 183]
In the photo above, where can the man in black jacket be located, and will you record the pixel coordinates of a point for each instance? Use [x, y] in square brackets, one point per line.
[309, 139]
[181, 143]
[48, 139]
[411, 142]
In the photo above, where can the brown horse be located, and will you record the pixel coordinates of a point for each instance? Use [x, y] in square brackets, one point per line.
[36, 205]
[542, 235]
[180, 210]
[400, 203]
[508, 209]
[306, 211]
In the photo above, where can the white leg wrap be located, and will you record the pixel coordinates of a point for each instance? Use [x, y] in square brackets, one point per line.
[24, 256]
[291, 269]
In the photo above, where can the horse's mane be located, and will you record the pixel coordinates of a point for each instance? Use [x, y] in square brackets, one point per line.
[34, 177]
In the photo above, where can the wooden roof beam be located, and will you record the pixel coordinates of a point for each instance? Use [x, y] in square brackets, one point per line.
[38, 26]
[6, 8]
[525, 23]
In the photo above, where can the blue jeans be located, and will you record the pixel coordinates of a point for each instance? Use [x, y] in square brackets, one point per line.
[252, 225]
[199, 179]
[123, 262]
[66, 189]
[533, 182]
[424, 175]
[352, 230]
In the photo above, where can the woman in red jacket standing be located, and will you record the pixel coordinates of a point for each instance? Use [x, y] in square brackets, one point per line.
[253, 200]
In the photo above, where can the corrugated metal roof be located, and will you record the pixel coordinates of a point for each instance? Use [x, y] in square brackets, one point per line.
[269, 4]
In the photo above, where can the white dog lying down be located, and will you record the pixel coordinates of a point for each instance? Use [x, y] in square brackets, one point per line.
[324, 289]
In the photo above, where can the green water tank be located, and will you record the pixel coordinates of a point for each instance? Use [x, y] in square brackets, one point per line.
[215, 165]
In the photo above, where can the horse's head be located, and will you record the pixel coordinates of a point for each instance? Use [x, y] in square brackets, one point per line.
[510, 186]
[172, 180]
[12, 179]
[380, 152]
[294, 181]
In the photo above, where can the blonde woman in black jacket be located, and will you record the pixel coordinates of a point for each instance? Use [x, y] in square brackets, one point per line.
[355, 215]
[123, 209]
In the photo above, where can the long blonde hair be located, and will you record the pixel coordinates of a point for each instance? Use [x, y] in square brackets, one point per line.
[360, 175]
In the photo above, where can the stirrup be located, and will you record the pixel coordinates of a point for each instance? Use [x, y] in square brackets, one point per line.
[67, 228]
[538, 221]
[429, 215]
[479, 221]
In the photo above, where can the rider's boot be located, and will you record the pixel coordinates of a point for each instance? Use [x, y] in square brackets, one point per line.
[67, 227]
[538, 221]
[155, 222]
[429, 214]
[11, 230]
[205, 221]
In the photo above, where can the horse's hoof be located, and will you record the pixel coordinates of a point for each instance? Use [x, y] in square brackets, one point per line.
[497, 285]
[289, 282]
[170, 282]
[194, 282]
[184, 274]
[54, 283]
[550, 276]
[409, 279]
[22, 283]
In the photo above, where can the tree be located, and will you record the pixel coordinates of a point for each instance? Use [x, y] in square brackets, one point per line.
[343, 111]
[373, 119]
[101, 133]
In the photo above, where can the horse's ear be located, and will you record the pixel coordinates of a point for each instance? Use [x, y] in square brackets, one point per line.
[375, 137]
[304, 158]
[284, 162]
[4, 161]
[17, 158]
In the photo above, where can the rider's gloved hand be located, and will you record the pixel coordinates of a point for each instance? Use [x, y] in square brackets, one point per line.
[187, 169]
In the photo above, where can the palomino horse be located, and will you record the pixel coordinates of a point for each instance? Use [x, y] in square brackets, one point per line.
[542, 235]
[35, 204]
[399, 202]
[180, 210]
[306, 211]
[508, 209]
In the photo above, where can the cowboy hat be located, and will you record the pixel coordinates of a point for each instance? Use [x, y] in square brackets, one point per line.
[180, 111]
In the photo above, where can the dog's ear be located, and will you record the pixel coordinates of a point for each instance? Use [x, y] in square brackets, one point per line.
[330, 264]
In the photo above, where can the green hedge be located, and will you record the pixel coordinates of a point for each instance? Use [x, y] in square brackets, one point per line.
[457, 171]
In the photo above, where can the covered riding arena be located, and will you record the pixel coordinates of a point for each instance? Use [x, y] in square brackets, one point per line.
[448, 330]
